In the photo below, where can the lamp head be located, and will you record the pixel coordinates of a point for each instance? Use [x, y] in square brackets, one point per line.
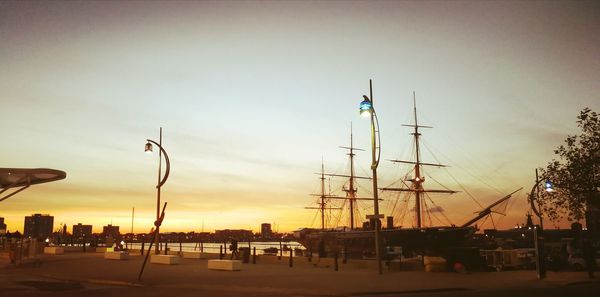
[366, 107]
[148, 148]
[548, 186]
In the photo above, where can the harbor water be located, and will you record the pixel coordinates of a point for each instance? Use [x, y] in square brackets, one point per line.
[212, 247]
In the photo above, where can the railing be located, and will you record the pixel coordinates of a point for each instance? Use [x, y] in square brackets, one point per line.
[20, 250]
[212, 247]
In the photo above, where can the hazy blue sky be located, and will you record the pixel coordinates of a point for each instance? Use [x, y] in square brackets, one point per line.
[251, 95]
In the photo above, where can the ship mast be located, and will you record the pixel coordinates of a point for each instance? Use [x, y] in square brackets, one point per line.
[417, 181]
[322, 196]
[322, 204]
[351, 190]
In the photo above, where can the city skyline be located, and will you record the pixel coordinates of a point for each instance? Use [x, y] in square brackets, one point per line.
[252, 96]
[88, 229]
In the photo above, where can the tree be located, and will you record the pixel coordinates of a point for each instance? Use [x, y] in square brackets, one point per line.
[575, 175]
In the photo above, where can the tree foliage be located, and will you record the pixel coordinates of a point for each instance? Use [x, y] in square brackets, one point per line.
[575, 173]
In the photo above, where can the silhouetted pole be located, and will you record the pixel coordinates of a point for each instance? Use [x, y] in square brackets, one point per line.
[254, 255]
[335, 261]
[280, 251]
[367, 107]
[157, 223]
[291, 259]
[538, 234]
[220, 252]
[161, 181]
[132, 216]
[345, 259]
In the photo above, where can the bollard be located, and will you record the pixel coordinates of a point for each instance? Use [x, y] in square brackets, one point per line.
[166, 246]
[254, 255]
[180, 247]
[12, 253]
[201, 247]
[280, 251]
[335, 261]
[291, 259]
[21, 251]
[220, 252]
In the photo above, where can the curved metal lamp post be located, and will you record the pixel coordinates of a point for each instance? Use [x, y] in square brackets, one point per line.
[161, 181]
[539, 242]
[367, 109]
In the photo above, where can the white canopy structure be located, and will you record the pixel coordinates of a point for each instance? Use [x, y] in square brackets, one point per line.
[21, 178]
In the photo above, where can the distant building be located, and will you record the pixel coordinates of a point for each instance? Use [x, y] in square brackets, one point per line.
[2, 226]
[239, 234]
[265, 230]
[112, 231]
[38, 226]
[80, 230]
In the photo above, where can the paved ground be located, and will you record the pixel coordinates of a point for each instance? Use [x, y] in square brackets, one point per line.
[79, 274]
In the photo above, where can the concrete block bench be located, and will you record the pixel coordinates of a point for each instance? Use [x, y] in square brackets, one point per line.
[54, 250]
[193, 255]
[434, 264]
[104, 249]
[165, 259]
[229, 265]
[116, 255]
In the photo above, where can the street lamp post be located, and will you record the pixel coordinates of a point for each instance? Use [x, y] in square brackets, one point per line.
[537, 239]
[161, 181]
[367, 109]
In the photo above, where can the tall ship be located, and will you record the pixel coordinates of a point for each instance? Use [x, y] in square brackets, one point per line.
[358, 241]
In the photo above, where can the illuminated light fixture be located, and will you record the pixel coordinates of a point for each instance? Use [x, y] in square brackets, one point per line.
[548, 186]
[366, 110]
[366, 107]
[148, 148]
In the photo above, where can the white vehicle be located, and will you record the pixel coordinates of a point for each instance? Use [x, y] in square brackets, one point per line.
[577, 263]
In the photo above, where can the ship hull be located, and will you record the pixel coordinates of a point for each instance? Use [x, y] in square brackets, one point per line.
[361, 243]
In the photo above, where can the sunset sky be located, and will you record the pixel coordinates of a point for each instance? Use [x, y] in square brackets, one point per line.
[252, 95]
